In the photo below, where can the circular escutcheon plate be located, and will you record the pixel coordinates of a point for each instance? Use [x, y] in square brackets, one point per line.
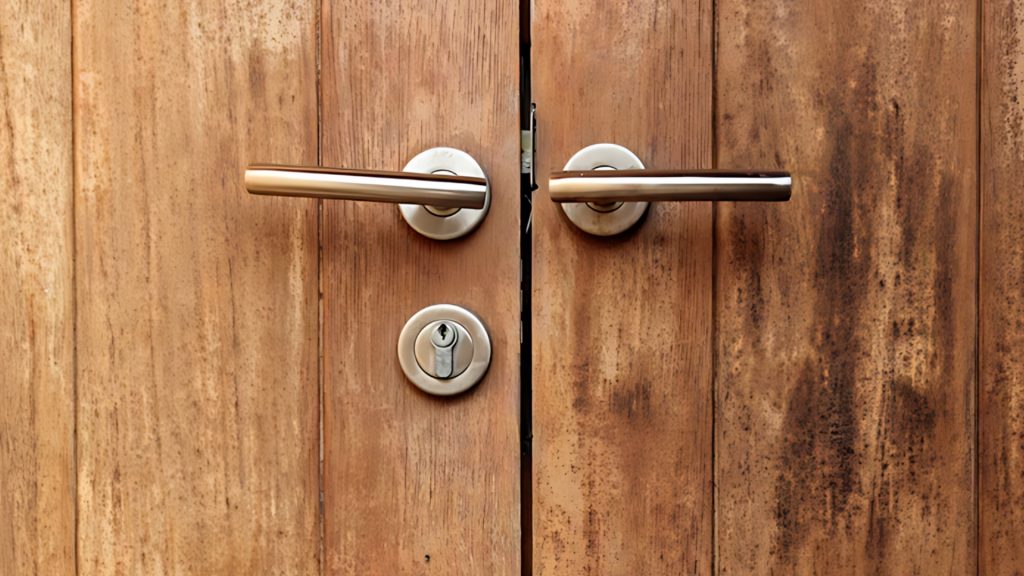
[441, 224]
[595, 219]
[480, 341]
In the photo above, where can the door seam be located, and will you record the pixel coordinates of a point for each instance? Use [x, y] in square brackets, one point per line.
[526, 123]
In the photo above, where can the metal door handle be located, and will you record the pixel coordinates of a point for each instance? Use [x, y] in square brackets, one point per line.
[611, 186]
[604, 189]
[443, 192]
[440, 190]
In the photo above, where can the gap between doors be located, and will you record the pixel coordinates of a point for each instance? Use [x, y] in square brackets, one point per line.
[528, 150]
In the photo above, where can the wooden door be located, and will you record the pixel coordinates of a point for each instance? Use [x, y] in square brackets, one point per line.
[830, 385]
[197, 381]
[196, 323]
[416, 484]
[622, 349]
[847, 320]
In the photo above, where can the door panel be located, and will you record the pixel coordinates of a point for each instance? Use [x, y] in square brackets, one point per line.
[37, 505]
[846, 319]
[415, 483]
[1001, 400]
[622, 326]
[196, 304]
[196, 381]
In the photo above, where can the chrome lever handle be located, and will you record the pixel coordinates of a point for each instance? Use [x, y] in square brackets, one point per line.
[605, 190]
[443, 192]
[609, 186]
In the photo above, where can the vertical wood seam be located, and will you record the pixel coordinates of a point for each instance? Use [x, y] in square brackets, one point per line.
[978, 342]
[72, 5]
[321, 520]
[714, 293]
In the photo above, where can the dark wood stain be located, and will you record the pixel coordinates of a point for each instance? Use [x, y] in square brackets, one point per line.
[846, 317]
[1001, 391]
[622, 326]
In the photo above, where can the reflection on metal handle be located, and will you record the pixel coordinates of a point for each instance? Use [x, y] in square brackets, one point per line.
[440, 190]
[605, 190]
[604, 187]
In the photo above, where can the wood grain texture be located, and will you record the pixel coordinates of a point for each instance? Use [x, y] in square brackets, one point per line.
[415, 484]
[845, 371]
[197, 304]
[1001, 391]
[37, 506]
[622, 326]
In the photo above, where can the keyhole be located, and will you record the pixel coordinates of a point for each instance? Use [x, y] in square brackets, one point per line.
[444, 350]
[444, 335]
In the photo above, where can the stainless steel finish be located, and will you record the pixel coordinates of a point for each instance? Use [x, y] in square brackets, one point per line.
[528, 147]
[444, 355]
[443, 335]
[611, 219]
[443, 338]
[444, 361]
[444, 190]
[437, 210]
[604, 189]
[443, 193]
[442, 225]
[652, 186]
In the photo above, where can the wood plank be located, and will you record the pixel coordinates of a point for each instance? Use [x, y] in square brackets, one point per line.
[415, 484]
[197, 313]
[622, 326]
[845, 371]
[1001, 390]
[37, 506]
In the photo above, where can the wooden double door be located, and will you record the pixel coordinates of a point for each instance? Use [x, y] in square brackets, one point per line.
[198, 381]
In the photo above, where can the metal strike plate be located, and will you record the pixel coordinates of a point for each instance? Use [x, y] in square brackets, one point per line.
[444, 349]
[614, 218]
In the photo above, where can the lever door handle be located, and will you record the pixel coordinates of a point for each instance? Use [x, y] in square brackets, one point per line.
[604, 189]
[443, 192]
[611, 186]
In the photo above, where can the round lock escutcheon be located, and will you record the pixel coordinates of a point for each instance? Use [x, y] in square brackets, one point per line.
[444, 349]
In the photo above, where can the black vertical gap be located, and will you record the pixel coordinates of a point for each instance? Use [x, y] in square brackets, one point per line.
[525, 309]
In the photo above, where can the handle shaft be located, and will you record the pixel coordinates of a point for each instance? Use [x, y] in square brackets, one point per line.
[607, 186]
[441, 190]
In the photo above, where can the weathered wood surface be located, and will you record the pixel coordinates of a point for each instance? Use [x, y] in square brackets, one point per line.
[845, 371]
[197, 310]
[622, 326]
[845, 344]
[415, 484]
[37, 501]
[1001, 391]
